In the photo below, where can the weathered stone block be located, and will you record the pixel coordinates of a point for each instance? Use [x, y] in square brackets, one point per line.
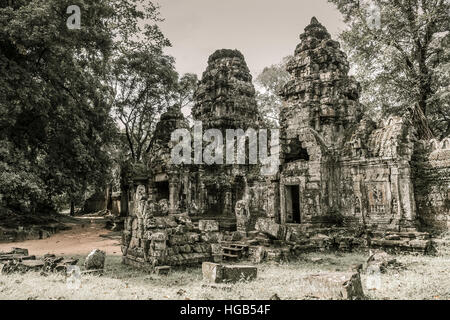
[208, 225]
[159, 236]
[218, 273]
[95, 260]
[193, 237]
[159, 245]
[258, 254]
[271, 228]
[211, 237]
[334, 286]
[162, 270]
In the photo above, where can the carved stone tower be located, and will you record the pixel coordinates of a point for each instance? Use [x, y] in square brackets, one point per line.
[225, 99]
[320, 94]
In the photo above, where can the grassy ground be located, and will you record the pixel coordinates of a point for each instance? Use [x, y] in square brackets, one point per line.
[424, 278]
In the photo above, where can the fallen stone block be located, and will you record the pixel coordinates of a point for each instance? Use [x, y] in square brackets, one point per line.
[33, 265]
[20, 251]
[218, 273]
[257, 254]
[208, 225]
[334, 286]
[380, 261]
[162, 270]
[95, 260]
[271, 228]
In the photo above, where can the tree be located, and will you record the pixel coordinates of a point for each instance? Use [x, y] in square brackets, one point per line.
[269, 82]
[143, 79]
[184, 94]
[401, 52]
[144, 82]
[55, 123]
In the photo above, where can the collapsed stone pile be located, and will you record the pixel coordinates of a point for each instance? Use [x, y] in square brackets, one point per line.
[380, 261]
[305, 239]
[171, 240]
[18, 260]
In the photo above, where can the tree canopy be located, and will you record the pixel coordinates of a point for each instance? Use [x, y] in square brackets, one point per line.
[268, 83]
[56, 97]
[401, 50]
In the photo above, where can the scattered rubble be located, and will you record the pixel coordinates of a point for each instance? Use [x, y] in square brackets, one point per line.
[18, 260]
[380, 261]
[171, 240]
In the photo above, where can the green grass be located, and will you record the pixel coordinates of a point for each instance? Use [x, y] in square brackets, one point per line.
[425, 277]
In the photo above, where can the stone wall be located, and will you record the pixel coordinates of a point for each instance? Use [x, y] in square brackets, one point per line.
[376, 189]
[432, 185]
[152, 238]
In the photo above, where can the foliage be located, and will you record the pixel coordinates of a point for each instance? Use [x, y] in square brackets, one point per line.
[143, 78]
[269, 82]
[402, 63]
[55, 122]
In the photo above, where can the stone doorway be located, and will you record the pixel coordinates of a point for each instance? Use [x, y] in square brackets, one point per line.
[293, 204]
[162, 190]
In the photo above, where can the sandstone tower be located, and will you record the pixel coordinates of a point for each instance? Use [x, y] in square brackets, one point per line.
[225, 99]
[320, 94]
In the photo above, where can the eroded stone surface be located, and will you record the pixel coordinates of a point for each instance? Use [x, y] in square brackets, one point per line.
[95, 260]
[334, 286]
[219, 273]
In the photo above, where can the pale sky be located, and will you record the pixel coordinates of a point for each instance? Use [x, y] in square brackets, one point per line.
[265, 31]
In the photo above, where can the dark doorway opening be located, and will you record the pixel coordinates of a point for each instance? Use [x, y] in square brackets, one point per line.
[295, 151]
[162, 189]
[215, 201]
[293, 204]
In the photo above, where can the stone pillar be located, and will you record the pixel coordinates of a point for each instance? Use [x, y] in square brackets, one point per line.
[282, 203]
[407, 200]
[173, 196]
[228, 202]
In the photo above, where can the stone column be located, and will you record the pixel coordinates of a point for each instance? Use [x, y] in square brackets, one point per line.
[407, 201]
[282, 203]
[173, 196]
[228, 202]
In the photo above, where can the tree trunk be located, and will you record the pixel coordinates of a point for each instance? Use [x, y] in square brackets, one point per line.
[72, 208]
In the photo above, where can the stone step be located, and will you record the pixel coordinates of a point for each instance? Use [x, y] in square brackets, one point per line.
[232, 249]
[229, 256]
[239, 246]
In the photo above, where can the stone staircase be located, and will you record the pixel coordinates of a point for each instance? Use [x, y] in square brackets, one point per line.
[234, 251]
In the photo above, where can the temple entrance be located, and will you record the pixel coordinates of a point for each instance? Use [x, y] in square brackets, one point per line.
[293, 204]
[215, 201]
[162, 190]
[238, 189]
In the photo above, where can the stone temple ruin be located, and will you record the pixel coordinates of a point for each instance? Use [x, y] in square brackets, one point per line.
[344, 182]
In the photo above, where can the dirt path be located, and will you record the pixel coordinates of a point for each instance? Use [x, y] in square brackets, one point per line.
[80, 240]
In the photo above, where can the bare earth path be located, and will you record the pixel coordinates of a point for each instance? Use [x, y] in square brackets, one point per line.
[89, 234]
